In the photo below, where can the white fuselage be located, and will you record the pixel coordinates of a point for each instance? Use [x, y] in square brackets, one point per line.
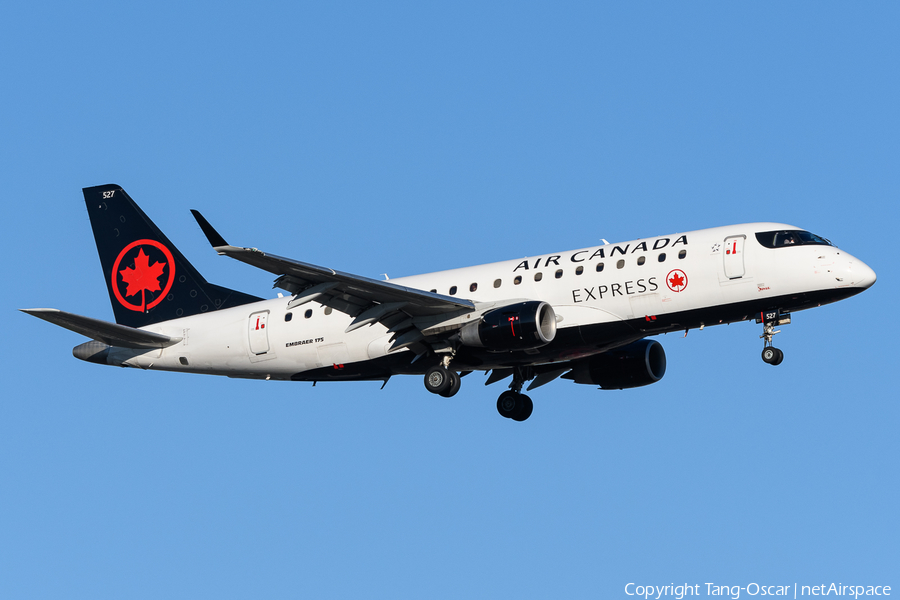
[698, 274]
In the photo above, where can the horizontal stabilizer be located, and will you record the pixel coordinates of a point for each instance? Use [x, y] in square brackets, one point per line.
[103, 331]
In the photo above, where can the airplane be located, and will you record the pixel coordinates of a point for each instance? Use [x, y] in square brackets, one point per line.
[584, 315]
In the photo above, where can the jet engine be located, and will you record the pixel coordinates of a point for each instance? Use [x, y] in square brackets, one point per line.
[520, 326]
[634, 365]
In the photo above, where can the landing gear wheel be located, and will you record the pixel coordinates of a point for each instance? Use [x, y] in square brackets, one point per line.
[515, 406]
[454, 385]
[772, 355]
[437, 380]
[506, 404]
[524, 408]
[779, 358]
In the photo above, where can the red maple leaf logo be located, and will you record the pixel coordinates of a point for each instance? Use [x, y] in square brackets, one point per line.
[677, 280]
[144, 277]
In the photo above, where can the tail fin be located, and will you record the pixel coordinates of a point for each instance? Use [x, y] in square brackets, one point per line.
[148, 279]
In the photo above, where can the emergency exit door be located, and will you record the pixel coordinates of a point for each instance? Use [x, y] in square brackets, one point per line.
[259, 337]
[734, 256]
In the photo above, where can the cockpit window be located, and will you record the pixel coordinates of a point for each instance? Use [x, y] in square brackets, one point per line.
[790, 237]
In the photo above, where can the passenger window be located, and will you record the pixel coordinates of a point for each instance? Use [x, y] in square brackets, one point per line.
[559, 273]
[641, 260]
[599, 267]
[620, 264]
[538, 276]
[579, 270]
[308, 313]
[497, 283]
[453, 291]
[473, 287]
[288, 317]
[682, 254]
[434, 291]
[517, 280]
[662, 257]
[327, 310]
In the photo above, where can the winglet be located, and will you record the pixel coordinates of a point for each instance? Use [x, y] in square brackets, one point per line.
[209, 231]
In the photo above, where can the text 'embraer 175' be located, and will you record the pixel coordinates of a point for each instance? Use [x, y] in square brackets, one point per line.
[583, 315]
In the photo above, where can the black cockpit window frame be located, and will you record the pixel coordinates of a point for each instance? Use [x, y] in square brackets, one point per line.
[784, 238]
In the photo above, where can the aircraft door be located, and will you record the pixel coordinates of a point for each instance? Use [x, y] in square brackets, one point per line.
[259, 337]
[734, 256]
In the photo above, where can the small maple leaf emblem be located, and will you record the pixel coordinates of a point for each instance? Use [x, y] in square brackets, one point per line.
[144, 277]
[676, 280]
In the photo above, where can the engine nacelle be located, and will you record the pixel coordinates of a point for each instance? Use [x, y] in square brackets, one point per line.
[634, 365]
[520, 326]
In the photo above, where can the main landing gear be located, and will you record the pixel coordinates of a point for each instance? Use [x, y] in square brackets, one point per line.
[513, 404]
[770, 354]
[442, 381]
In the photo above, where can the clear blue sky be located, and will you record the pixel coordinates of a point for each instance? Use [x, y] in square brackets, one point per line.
[411, 137]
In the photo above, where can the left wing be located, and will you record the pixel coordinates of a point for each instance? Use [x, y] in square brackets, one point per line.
[404, 310]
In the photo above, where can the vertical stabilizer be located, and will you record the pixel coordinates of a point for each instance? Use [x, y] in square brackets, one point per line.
[148, 279]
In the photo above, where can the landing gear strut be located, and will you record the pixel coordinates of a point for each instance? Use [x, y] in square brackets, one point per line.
[770, 354]
[513, 404]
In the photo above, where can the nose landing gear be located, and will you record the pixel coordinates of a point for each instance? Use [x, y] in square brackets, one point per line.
[772, 355]
[770, 319]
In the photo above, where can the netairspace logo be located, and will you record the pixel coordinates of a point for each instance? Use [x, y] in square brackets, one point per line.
[754, 589]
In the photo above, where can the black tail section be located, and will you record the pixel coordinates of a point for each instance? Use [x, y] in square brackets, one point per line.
[148, 278]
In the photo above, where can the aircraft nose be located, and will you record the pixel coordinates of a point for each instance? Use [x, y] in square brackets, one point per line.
[863, 275]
